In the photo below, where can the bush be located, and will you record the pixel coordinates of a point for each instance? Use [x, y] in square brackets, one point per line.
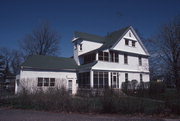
[156, 88]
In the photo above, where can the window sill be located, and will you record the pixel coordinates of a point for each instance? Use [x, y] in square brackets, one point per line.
[130, 46]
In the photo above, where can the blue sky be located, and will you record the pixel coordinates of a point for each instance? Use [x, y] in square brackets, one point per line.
[19, 17]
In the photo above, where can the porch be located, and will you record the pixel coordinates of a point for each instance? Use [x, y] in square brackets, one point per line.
[98, 80]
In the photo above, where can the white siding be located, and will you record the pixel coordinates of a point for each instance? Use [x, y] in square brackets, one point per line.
[29, 79]
[122, 47]
[133, 64]
[88, 46]
[133, 76]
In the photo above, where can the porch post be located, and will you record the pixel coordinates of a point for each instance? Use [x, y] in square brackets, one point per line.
[109, 78]
[91, 79]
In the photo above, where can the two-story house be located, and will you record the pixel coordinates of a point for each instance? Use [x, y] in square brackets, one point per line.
[98, 62]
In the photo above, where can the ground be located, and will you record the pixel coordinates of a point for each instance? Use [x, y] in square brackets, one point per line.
[29, 115]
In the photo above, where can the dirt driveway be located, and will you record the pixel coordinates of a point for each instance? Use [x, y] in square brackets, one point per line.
[28, 115]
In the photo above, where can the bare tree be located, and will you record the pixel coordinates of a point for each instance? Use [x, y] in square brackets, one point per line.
[16, 61]
[1, 67]
[12, 60]
[42, 41]
[168, 42]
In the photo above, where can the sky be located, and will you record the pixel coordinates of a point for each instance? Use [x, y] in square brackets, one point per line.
[19, 17]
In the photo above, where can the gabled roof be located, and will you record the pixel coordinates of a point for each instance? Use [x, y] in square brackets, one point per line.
[89, 37]
[111, 39]
[49, 62]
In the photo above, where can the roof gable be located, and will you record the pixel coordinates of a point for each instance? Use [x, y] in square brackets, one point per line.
[134, 37]
[49, 62]
[112, 39]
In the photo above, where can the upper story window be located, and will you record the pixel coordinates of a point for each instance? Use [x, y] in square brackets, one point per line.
[104, 56]
[126, 42]
[114, 56]
[141, 78]
[126, 77]
[129, 34]
[125, 59]
[140, 61]
[133, 43]
[89, 58]
[80, 46]
[111, 57]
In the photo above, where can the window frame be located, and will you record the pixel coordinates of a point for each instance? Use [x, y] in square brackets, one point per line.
[127, 42]
[125, 59]
[40, 84]
[140, 60]
[100, 79]
[133, 43]
[141, 77]
[52, 82]
[126, 77]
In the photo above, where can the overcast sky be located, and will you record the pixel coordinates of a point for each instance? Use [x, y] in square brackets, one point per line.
[19, 17]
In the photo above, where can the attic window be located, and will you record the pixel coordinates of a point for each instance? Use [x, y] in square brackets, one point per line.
[126, 42]
[133, 43]
[129, 34]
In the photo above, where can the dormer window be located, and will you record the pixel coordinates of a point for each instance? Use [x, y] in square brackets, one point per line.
[126, 42]
[80, 46]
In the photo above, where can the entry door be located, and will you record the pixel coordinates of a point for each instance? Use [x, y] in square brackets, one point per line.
[114, 80]
[70, 86]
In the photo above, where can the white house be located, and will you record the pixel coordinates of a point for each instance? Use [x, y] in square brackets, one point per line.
[98, 62]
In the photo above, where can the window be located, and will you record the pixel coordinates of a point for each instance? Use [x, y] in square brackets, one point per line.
[141, 78]
[100, 79]
[46, 81]
[52, 81]
[84, 80]
[129, 34]
[80, 46]
[126, 42]
[126, 77]
[40, 82]
[125, 59]
[133, 43]
[89, 58]
[100, 55]
[114, 57]
[104, 56]
[140, 61]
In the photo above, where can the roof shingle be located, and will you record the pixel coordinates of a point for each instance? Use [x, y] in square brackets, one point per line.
[49, 62]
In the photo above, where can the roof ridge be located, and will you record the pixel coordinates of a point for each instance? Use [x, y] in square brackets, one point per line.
[88, 33]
